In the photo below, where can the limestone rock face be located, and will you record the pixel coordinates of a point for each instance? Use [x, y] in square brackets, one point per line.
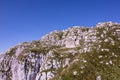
[77, 53]
[70, 43]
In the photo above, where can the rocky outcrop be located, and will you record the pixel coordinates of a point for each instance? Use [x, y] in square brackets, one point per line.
[78, 53]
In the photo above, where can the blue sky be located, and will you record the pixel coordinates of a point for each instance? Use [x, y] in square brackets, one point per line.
[27, 20]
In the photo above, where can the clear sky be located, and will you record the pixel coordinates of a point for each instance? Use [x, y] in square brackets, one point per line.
[27, 20]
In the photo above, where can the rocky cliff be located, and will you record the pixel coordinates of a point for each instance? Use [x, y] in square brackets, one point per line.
[77, 53]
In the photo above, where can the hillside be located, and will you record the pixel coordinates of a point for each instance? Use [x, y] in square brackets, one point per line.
[77, 53]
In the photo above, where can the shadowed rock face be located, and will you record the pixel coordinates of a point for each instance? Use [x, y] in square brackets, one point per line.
[77, 53]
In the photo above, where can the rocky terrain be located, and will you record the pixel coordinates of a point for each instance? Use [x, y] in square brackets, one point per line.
[77, 53]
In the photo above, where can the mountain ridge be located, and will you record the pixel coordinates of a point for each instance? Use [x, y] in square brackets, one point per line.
[77, 53]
